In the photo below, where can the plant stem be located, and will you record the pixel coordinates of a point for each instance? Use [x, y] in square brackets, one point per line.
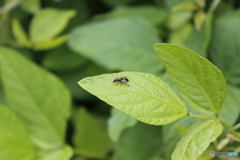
[200, 116]
[237, 135]
[9, 6]
[235, 127]
[213, 6]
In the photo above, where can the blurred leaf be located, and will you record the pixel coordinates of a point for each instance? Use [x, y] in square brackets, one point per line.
[2, 97]
[71, 79]
[121, 44]
[206, 154]
[117, 3]
[19, 33]
[63, 59]
[39, 99]
[147, 98]
[199, 18]
[201, 3]
[152, 14]
[140, 142]
[174, 3]
[118, 122]
[231, 110]
[15, 143]
[178, 19]
[191, 6]
[171, 135]
[89, 139]
[200, 39]
[197, 139]
[225, 48]
[48, 23]
[200, 83]
[53, 43]
[64, 153]
[180, 35]
[31, 6]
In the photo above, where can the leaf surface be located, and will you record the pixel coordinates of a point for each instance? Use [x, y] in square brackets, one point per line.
[146, 98]
[39, 99]
[200, 83]
[14, 139]
[197, 139]
[118, 44]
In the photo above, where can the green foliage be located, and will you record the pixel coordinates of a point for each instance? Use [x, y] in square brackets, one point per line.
[112, 33]
[12, 131]
[204, 80]
[146, 98]
[50, 47]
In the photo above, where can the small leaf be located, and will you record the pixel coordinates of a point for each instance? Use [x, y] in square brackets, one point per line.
[39, 99]
[48, 23]
[15, 143]
[53, 43]
[178, 19]
[200, 83]
[191, 6]
[118, 43]
[197, 139]
[199, 18]
[89, 138]
[31, 6]
[140, 142]
[118, 122]
[147, 98]
[19, 33]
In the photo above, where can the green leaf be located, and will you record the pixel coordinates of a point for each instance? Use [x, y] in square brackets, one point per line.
[19, 33]
[64, 153]
[53, 43]
[89, 139]
[172, 136]
[147, 12]
[178, 19]
[200, 83]
[225, 48]
[197, 139]
[59, 58]
[191, 6]
[48, 23]
[118, 43]
[15, 143]
[199, 18]
[118, 122]
[39, 99]
[146, 98]
[231, 110]
[140, 142]
[31, 6]
[117, 3]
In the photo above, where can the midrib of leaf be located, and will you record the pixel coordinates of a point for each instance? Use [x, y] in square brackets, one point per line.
[193, 78]
[139, 94]
[42, 115]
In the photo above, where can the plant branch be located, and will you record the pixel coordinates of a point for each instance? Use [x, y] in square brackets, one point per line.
[236, 134]
[235, 127]
[200, 116]
[8, 7]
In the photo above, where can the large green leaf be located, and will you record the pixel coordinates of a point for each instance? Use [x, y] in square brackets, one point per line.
[147, 12]
[48, 23]
[196, 140]
[39, 99]
[14, 139]
[146, 98]
[225, 48]
[140, 142]
[118, 122]
[64, 153]
[231, 110]
[89, 139]
[118, 44]
[200, 83]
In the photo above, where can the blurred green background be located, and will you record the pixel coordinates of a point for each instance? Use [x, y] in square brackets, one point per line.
[47, 46]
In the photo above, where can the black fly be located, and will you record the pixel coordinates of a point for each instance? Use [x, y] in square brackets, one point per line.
[122, 80]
